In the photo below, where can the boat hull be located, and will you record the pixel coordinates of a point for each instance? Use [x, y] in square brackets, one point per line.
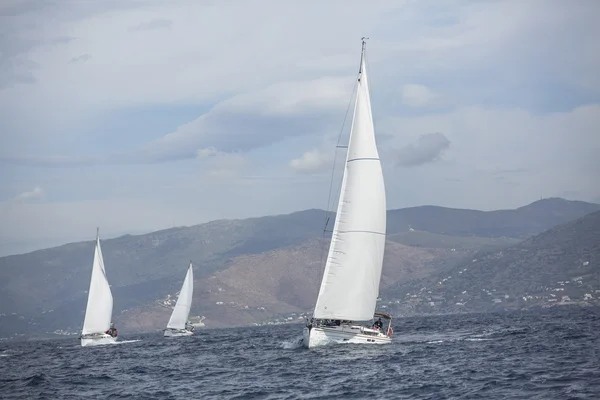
[97, 340]
[321, 336]
[177, 333]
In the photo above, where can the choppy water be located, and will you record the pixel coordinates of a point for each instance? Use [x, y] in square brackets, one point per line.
[554, 354]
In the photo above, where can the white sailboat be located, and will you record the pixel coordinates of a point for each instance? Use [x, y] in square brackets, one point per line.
[350, 284]
[178, 323]
[97, 327]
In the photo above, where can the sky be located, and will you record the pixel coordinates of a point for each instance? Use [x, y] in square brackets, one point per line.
[142, 115]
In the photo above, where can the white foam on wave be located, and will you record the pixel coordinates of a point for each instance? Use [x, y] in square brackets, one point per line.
[292, 344]
[127, 341]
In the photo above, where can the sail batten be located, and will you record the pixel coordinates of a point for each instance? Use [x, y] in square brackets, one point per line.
[183, 305]
[350, 284]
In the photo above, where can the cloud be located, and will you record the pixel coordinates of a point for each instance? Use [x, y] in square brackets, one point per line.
[241, 103]
[257, 119]
[311, 161]
[159, 23]
[414, 95]
[427, 148]
[238, 124]
[221, 164]
[35, 194]
[207, 152]
[50, 161]
[80, 59]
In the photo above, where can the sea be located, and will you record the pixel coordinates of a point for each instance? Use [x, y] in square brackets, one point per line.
[544, 354]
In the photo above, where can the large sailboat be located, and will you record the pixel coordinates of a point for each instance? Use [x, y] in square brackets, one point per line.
[97, 327]
[350, 284]
[178, 323]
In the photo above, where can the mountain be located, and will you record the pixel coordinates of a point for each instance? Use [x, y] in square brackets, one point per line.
[271, 265]
[559, 266]
[520, 223]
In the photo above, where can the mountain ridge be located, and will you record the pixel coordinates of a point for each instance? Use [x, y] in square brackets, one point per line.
[143, 269]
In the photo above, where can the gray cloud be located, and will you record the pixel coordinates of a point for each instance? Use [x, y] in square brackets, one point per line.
[82, 58]
[14, 66]
[254, 120]
[425, 149]
[161, 23]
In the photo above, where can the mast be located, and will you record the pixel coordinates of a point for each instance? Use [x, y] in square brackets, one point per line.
[362, 55]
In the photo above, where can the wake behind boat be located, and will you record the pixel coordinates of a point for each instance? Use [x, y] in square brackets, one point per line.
[178, 323]
[97, 328]
[350, 284]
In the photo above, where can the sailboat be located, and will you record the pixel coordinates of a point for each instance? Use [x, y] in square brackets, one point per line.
[350, 283]
[178, 323]
[97, 327]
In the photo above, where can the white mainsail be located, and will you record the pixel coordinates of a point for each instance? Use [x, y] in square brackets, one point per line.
[184, 302]
[98, 312]
[350, 284]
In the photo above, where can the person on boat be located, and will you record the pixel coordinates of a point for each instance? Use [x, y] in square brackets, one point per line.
[189, 326]
[112, 331]
[378, 324]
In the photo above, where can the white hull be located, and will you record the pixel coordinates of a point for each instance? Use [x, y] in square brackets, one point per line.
[177, 333]
[97, 340]
[321, 336]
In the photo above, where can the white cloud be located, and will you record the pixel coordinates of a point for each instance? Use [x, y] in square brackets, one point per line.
[206, 152]
[311, 161]
[35, 194]
[415, 95]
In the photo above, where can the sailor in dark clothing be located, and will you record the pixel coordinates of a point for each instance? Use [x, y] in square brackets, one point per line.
[378, 324]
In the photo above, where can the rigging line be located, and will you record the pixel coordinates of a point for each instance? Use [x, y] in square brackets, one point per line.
[333, 168]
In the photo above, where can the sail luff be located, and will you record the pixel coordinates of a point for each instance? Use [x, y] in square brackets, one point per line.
[350, 284]
[181, 311]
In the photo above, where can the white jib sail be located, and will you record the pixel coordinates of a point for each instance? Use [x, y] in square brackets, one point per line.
[98, 312]
[184, 302]
[350, 284]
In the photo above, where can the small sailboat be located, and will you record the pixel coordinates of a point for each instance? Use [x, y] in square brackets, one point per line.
[350, 284]
[97, 326]
[178, 323]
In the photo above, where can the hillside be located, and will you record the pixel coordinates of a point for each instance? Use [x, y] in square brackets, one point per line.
[269, 263]
[557, 267]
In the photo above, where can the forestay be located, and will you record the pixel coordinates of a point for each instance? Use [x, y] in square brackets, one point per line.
[98, 312]
[350, 284]
[184, 302]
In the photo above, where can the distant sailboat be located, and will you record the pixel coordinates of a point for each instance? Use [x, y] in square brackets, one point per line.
[178, 324]
[350, 284]
[97, 327]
